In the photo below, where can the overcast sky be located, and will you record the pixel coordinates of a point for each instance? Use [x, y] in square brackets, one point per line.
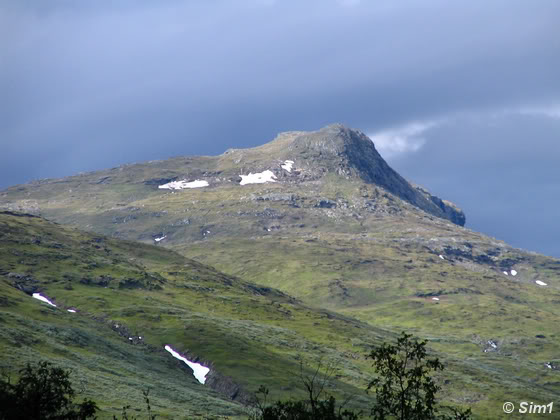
[461, 97]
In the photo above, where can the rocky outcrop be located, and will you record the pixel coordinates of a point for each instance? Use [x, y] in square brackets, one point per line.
[339, 149]
[228, 387]
[452, 212]
[24, 282]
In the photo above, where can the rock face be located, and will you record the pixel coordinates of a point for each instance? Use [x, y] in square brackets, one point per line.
[452, 212]
[350, 152]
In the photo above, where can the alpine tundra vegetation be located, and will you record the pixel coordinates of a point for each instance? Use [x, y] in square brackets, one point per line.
[205, 278]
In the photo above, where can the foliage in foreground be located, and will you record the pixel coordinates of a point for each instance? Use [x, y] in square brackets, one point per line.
[405, 389]
[42, 392]
[318, 404]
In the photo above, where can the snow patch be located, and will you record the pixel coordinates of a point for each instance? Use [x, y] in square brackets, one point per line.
[287, 166]
[199, 371]
[513, 273]
[181, 185]
[258, 178]
[541, 283]
[43, 299]
[505, 272]
[442, 257]
[435, 298]
[72, 310]
[160, 239]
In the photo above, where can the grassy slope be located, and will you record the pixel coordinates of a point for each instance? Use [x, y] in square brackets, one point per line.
[371, 256]
[250, 334]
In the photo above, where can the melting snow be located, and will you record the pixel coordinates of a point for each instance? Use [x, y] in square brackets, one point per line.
[442, 257]
[288, 165]
[160, 239]
[513, 273]
[72, 310]
[493, 344]
[43, 299]
[505, 272]
[199, 371]
[540, 283]
[435, 298]
[259, 178]
[180, 185]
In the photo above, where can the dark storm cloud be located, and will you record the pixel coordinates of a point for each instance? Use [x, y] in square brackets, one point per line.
[88, 84]
[502, 169]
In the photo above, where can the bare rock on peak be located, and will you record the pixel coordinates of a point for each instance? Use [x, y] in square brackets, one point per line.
[346, 151]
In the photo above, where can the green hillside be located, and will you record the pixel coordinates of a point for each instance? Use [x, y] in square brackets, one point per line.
[340, 231]
[132, 299]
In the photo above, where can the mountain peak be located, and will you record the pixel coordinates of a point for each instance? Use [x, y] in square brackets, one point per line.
[296, 161]
[350, 152]
[335, 149]
[333, 139]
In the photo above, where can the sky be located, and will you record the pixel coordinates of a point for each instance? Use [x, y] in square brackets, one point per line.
[460, 97]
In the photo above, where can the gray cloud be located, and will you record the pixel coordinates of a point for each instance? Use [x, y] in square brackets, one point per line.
[501, 168]
[90, 84]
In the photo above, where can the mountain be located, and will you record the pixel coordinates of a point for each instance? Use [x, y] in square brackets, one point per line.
[351, 153]
[334, 150]
[322, 217]
[106, 309]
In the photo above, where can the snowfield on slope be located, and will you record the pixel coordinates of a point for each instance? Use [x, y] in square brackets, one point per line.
[258, 178]
[43, 299]
[540, 283]
[287, 166]
[181, 185]
[199, 371]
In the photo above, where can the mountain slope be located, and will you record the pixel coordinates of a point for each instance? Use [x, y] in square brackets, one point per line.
[332, 150]
[130, 300]
[336, 227]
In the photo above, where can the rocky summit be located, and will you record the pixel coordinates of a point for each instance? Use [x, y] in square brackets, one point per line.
[351, 153]
[333, 150]
[315, 225]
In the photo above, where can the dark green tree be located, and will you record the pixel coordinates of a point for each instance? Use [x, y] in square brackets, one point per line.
[43, 392]
[404, 388]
